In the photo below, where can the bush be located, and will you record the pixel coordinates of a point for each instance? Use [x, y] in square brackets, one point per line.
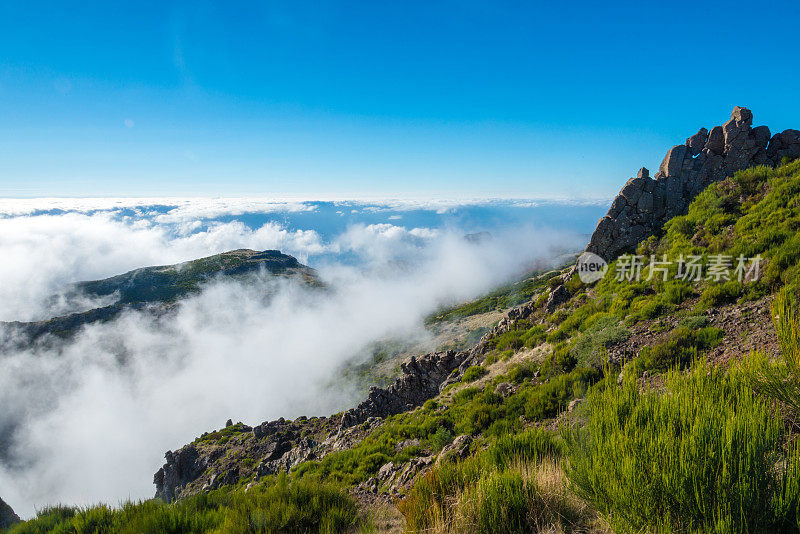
[514, 486]
[700, 457]
[553, 396]
[473, 373]
[523, 371]
[274, 506]
[718, 294]
[694, 322]
[782, 381]
[591, 346]
[684, 346]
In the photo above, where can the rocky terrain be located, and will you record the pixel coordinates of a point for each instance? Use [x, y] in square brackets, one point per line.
[645, 203]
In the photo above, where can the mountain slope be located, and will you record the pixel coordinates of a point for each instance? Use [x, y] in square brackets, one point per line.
[550, 350]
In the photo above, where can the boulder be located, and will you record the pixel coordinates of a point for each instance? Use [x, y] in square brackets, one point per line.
[716, 140]
[697, 142]
[458, 449]
[182, 467]
[559, 296]
[504, 389]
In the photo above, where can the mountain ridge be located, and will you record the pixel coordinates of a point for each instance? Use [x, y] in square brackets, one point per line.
[157, 289]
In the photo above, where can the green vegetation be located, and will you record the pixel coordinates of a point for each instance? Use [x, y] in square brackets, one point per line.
[507, 296]
[514, 486]
[472, 411]
[473, 373]
[684, 346]
[220, 437]
[705, 456]
[782, 381]
[276, 505]
[591, 345]
[168, 283]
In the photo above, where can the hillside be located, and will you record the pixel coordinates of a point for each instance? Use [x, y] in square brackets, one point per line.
[157, 288]
[649, 401]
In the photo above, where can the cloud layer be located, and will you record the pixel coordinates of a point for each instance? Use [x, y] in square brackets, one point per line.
[90, 420]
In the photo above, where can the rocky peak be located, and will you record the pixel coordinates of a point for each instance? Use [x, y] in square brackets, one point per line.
[7, 515]
[643, 205]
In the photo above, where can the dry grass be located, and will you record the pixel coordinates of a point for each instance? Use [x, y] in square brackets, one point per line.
[552, 507]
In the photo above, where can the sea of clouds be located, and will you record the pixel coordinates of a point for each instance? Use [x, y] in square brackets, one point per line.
[89, 420]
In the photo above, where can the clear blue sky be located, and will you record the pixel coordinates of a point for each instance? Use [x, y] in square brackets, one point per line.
[375, 98]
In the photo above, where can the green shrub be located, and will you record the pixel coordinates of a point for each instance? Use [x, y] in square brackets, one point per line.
[441, 438]
[684, 345]
[717, 294]
[554, 395]
[592, 344]
[495, 491]
[276, 505]
[473, 373]
[694, 322]
[700, 457]
[781, 381]
[523, 371]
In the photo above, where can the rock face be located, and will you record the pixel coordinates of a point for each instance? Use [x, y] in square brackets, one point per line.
[7, 515]
[645, 204]
[183, 466]
[421, 380]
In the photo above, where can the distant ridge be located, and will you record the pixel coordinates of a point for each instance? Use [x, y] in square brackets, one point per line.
[158, 288]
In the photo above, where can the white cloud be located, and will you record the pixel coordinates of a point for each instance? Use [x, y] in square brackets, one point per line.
[97, 415]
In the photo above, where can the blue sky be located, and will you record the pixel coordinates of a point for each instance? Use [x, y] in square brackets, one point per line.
[372, 99]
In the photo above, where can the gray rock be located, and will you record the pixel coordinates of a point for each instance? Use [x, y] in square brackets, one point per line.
[716, 140]
[673, 161]
[386, 471]
[697, 142]
[459, 448]
[182, 467]
[7, 515]
[559, 296]
[421, 380]
[504, 389]
[644, 204]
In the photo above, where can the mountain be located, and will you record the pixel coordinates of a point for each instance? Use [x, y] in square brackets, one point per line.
[158, 288]
[7, 515]
[168, 283]
[646, 401]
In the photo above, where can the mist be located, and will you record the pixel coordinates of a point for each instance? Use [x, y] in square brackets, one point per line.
[90, 419]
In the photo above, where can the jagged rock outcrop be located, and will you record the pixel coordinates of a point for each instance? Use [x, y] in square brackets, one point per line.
[7, 515]
[183, 466]
[645, 204]
[421, 380]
